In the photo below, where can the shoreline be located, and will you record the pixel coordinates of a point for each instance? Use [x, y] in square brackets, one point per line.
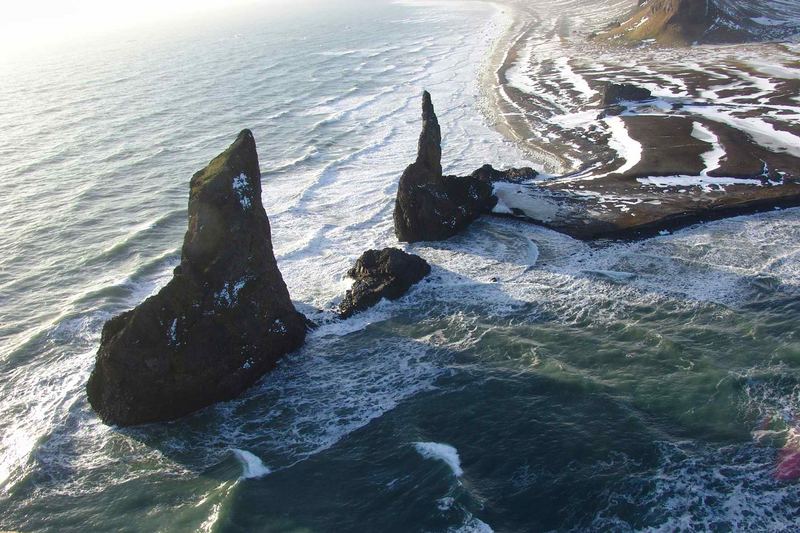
[492, 78]
[715, 140]
[497, 106]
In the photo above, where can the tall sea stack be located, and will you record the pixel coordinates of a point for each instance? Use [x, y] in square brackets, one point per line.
[430, 206]
[223, 320]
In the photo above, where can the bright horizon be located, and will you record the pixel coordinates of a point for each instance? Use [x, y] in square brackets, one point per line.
[41, 23]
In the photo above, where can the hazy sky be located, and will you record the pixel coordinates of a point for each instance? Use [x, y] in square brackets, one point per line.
[33, 23]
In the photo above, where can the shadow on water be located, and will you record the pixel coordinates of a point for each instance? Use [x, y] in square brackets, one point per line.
[536, 452]
[548, 422]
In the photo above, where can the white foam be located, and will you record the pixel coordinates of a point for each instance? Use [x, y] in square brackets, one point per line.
[252, 466]
[766, 21]
[473, 525]
[761, 131]
[441, 452]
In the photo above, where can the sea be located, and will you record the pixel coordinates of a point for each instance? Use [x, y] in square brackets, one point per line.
[531, 383]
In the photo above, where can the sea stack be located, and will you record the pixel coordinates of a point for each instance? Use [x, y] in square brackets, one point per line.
[222, 321]
[430, 206]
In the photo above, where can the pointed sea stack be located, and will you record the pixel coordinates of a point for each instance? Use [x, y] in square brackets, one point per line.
[432, 207]
[223, 320]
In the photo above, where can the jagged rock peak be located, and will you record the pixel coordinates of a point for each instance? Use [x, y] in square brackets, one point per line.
[430, 206]
[429, 148]
[221, 322]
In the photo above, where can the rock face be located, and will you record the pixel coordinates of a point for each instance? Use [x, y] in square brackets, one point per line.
[624, 92]
[387, 273]
[222, 321]
[686, 22]
[430, 206]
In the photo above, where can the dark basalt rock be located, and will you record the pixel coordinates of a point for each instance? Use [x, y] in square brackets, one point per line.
[222, 321]
[387, 273]
[430, 206]
[625, 92]
[513, 175]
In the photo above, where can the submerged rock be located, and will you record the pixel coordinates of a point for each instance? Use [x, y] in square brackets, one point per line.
[430, 206]
[387, 273]
[222, 321]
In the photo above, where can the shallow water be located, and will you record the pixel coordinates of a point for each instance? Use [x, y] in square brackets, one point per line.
[533, 382]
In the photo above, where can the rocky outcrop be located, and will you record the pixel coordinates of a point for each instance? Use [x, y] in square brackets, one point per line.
[625, 92]
[222, 321]
[378, 274]
[489, 174]
[430, 206]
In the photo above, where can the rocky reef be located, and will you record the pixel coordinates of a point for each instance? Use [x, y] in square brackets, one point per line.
[222, 321]
[430, 206]
[378, 274]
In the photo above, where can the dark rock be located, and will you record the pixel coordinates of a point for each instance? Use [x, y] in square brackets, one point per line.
[222, 321]
[387, 273]
[625, 92]
[429, 147]
[513, 175]
[432, 207]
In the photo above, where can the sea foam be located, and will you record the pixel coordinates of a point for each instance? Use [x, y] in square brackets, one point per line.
[252, 466]
[441, 452]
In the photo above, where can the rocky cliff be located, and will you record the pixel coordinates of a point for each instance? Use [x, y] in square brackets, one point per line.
[683, 22]
[222, 321]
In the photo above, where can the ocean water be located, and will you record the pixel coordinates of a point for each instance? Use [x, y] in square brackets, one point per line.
[532, 383]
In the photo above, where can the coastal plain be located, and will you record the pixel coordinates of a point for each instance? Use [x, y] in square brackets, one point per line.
[719, 137]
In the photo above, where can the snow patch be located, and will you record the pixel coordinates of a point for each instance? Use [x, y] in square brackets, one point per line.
[713, 158]
[577, 81]
[230, 292]
[706, 182]
[511, 196]
[627, 148]
[173, 332]
[241, 186]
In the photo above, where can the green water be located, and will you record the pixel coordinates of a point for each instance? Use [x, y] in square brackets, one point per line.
[531, 383]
